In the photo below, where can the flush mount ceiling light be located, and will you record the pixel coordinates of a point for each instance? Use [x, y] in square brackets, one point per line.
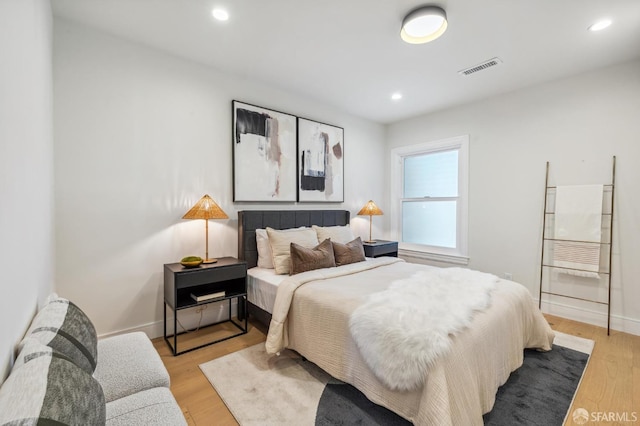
[424, 24]
[220, 14]
[600, 25]
[396, 96]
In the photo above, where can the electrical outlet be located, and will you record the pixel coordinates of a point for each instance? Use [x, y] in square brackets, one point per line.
[508, 275]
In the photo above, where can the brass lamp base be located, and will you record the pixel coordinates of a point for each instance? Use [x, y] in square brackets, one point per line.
[370, 241]
[210, 261]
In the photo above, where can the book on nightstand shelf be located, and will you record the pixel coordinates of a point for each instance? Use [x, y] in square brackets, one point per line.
[209, 296]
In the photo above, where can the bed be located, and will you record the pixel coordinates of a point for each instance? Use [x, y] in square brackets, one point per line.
[261, 285]
[459, 387]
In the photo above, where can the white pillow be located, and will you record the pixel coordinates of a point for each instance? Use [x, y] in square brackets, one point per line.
[280, 242]
[265, 257]
[264, 249]
[337, 234]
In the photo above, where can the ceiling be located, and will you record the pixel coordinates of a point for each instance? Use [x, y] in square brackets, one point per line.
[348, 53]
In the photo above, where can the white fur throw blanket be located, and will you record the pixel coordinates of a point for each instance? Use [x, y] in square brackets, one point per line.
[401, 331]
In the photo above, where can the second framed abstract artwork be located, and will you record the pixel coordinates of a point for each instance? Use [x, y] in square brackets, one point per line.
[320, 162]
[264, 154]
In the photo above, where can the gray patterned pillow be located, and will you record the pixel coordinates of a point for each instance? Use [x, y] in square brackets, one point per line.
[63, 326]
[47, 388]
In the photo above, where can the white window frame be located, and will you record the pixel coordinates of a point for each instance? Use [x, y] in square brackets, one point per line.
[458, 254]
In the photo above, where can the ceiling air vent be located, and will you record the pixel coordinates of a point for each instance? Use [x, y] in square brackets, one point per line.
[483, 66]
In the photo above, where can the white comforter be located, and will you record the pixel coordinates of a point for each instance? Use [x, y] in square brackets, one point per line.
[311, 315]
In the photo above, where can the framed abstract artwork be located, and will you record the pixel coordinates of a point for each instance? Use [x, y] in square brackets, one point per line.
[264, 154]
[320, 162]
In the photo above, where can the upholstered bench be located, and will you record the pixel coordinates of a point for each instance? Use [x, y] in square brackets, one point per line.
[64, 375]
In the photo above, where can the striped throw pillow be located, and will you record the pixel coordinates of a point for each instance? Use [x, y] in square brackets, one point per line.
[47, 388]
[63, 326]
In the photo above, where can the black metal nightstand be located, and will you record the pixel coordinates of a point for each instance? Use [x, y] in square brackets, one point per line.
[378, 248]
[208, 283]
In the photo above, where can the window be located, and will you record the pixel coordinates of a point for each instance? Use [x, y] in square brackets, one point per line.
[429, 199]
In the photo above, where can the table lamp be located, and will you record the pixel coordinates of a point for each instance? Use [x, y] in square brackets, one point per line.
[206, 209]
[370, 209]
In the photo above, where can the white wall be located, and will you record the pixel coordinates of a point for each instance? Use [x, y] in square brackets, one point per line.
[140, 136]
[577, 124]
[26, 168]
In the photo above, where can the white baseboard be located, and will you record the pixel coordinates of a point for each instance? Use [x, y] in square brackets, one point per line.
[189, 318]
[152, 330]
[619, 323]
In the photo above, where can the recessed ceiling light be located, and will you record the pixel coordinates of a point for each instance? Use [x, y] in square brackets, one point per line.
[220, 14]
[396, 96]
[600, 25]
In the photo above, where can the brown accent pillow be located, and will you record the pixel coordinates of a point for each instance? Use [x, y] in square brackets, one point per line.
[305, 259]
[351, 252]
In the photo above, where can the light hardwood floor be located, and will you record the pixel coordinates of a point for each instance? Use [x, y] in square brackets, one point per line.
[610, 384]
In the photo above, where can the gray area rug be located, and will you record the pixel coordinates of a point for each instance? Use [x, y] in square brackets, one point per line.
[261, 390]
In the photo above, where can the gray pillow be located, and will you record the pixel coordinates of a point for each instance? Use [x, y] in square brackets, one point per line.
[47, 388]
[63, 326]
[351, 252]
[307, 259]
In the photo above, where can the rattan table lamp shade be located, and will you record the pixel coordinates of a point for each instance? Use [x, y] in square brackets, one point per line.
[370, 209]
[206, 209]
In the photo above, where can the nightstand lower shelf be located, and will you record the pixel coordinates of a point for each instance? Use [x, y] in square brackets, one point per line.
[226, 332]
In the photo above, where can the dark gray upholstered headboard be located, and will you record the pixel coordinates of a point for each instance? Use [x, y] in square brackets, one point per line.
[250, 220]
